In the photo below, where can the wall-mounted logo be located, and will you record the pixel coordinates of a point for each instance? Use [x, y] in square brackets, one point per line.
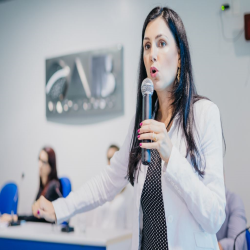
[85, 84]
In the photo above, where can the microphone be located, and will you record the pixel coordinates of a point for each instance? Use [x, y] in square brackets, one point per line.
[147, 89]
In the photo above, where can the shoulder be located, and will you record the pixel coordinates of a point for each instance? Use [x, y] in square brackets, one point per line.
[207, 121]
[203, 107]
[205, 113]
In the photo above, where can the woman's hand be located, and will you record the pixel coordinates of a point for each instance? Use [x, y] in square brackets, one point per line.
[8, 218]
[43, 208]
[157, 132]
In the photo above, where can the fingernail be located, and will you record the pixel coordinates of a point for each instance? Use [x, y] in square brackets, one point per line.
[138, 136]
[138, 130]
[140, 144]
[38, 212]
[140, 123]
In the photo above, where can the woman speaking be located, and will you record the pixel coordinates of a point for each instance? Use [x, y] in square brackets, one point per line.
[180, 196]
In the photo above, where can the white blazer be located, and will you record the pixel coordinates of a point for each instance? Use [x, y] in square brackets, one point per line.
[115, 214]
[194, 206]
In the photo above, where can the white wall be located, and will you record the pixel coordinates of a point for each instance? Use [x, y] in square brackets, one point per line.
[32, 30]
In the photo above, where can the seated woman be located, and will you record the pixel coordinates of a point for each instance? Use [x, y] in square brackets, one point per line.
[49, 186]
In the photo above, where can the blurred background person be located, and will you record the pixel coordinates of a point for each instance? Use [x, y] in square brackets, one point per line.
[49, 184]
[234, 223]
[111, 151]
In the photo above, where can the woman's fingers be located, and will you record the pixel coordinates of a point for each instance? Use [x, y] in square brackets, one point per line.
[8, 218]
[150, 145]
[157, 133]
[43, 208]
[15, 218]
[151, 126]
[35, 209]
[148, 129]
[149, 136]
[47, 215]
[151, 130]
[149, 121]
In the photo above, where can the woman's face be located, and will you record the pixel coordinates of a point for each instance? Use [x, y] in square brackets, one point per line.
[160, 54]
[44, 167]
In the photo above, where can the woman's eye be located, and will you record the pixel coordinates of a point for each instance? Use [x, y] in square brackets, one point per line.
[163, 44]
[147, 46]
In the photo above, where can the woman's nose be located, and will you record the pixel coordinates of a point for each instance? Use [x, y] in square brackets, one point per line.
[153, 54]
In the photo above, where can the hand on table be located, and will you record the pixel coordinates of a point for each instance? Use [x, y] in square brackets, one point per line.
[8, 218]
[43, 208]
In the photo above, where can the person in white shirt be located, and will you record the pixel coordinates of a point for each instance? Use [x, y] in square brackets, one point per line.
[234, 223]
[179, 198]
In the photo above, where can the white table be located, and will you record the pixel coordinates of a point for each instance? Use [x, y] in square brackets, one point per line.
[45, 236]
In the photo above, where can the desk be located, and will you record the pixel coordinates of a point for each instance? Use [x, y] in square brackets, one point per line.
[43, 236]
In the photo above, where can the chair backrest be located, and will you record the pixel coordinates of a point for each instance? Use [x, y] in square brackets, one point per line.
[248, 239]
[9, 198]
[66, 186]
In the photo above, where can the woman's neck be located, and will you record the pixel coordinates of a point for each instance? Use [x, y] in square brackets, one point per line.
[44, 180]
[165, 109]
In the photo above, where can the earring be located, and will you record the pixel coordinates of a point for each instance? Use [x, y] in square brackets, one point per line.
[178, 74]
[178, 70]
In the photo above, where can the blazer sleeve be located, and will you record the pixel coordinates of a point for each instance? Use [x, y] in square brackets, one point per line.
[205, 198]
[236, 223]
[99, 189]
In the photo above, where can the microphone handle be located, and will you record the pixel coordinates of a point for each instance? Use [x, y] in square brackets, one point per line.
[146, 114]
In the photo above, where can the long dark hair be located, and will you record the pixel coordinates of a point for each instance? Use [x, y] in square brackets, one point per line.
[53, 173]
[184, 94]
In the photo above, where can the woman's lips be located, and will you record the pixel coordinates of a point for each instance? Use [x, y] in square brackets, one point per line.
[153, 71]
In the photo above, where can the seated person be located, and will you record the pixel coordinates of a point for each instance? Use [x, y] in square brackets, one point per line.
[234, 223]
[49, 185]
[116, 213]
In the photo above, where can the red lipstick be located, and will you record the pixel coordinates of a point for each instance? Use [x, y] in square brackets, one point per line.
[153, 71]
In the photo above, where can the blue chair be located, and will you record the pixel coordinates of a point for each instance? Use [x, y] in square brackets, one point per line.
[66, 189]
[248, 239]
[66, 186]
[9, 198]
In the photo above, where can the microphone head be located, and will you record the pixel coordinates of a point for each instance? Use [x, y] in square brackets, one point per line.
[147, 87]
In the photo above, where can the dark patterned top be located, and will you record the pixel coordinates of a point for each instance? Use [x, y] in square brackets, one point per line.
[154, 233]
